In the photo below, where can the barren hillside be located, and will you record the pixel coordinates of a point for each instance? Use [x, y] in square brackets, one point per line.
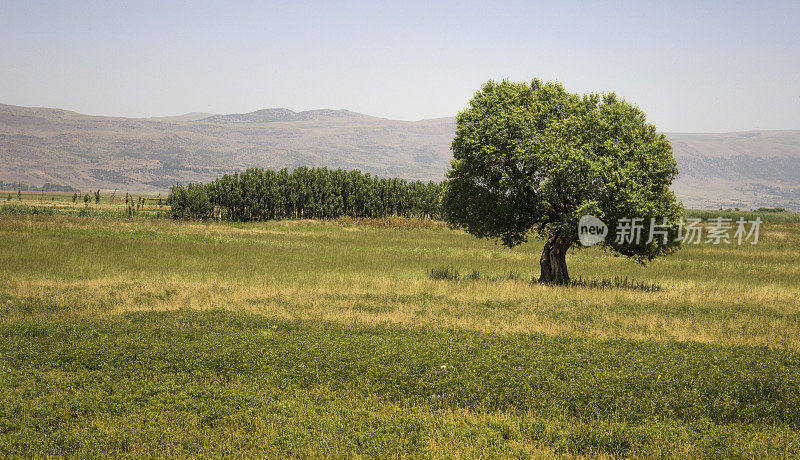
[38, 145]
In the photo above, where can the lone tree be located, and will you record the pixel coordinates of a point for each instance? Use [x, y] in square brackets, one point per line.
[535, 158]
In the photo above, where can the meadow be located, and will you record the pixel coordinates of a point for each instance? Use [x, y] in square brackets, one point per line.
[144, 336]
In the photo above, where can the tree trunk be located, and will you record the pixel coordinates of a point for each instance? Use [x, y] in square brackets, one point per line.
[554, 260]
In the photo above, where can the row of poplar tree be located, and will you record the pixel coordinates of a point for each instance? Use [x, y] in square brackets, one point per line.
[304, 193]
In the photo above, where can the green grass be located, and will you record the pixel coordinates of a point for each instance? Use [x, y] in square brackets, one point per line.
[308, 339]
[237, 383]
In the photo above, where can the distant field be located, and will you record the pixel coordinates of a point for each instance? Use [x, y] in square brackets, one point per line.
[111, 204]
[785, 217]
[145, 336]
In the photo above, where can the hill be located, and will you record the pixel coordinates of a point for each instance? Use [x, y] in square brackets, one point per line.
[49, 145]
[744, 169]
[192, 116]
[40, 145]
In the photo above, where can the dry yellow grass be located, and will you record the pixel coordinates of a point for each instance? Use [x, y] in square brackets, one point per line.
[312, 270]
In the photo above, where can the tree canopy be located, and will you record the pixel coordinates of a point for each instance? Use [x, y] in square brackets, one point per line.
[534, 158]
[305, 193]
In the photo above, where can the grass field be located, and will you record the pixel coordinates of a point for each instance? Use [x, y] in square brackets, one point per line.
[148, 337]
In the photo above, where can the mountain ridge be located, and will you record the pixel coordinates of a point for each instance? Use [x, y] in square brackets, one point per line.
[39, 145]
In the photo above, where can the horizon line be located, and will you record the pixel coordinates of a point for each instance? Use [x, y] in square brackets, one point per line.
[160, 118]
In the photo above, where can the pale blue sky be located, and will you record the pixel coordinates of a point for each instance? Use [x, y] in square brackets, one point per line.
[712, 66]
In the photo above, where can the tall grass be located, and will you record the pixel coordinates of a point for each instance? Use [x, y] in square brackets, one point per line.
[725, 294]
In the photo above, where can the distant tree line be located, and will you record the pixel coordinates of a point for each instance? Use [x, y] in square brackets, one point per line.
[47, 187]
[304, 193]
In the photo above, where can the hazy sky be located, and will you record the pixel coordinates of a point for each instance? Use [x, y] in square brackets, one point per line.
[719, 66]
